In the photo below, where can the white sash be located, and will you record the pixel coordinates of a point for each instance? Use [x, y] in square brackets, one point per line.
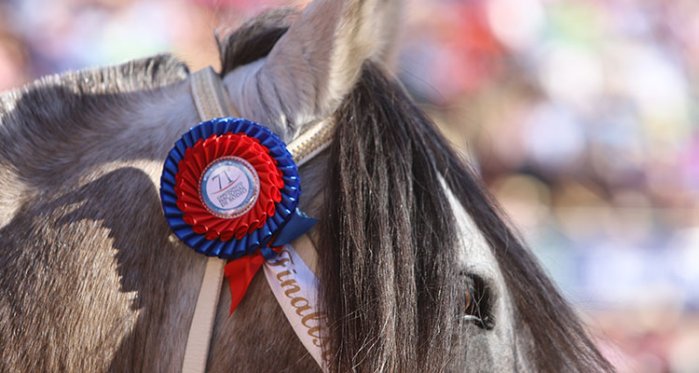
[296, 288]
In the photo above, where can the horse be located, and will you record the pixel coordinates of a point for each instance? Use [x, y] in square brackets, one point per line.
[418, 268]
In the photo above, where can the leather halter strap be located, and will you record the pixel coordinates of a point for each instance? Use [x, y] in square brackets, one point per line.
[209, 98]
[211, 102]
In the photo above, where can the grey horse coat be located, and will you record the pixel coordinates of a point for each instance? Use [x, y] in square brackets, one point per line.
[91, 279]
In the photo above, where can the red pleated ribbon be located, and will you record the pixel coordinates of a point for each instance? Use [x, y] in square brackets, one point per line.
[195, 161]
[240, 273]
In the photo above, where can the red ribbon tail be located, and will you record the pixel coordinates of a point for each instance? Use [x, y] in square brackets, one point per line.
[240, 273]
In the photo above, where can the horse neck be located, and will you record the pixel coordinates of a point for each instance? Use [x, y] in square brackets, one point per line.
[87, 217]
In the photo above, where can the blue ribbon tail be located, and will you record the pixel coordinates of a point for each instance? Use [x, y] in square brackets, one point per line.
[299, 224]
[268, 253]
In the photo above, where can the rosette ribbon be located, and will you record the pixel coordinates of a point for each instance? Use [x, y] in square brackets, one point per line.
[230, 188]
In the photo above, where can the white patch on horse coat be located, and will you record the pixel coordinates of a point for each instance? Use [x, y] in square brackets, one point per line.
[11, 191]
[496, 346]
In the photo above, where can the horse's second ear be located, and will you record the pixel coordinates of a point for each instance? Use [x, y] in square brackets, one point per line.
[316, 63]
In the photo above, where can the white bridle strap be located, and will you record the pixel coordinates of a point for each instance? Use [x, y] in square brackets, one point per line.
[313, 141]
[211, 102]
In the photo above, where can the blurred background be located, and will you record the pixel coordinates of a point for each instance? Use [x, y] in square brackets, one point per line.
[581, 116]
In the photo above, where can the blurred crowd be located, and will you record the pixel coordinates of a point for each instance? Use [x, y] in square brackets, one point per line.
[580, 115]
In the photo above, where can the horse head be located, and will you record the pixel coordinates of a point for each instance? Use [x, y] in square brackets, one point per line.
[418, 269]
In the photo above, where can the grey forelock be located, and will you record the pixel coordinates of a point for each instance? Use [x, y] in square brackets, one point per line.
[254, 39]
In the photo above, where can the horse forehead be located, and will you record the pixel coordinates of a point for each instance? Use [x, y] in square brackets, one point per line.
[475, 254]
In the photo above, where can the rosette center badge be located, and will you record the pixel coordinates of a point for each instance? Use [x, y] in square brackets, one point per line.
[229, 187]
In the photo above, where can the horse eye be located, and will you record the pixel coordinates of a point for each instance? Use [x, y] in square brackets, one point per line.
[477, 306]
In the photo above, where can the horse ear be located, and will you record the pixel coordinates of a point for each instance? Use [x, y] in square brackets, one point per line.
[315, 63]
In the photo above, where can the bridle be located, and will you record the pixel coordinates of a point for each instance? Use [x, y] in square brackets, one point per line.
[211, 101]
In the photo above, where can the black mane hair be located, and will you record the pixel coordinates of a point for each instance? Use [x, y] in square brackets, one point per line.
[388, 243]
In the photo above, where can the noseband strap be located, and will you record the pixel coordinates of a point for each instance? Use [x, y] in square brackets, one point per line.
[211, 102]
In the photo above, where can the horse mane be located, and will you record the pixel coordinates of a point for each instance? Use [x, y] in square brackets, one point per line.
[137, 75]
[388, 243]
[387, 239]
[70, 101]
[57, 110]
[254, 39]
